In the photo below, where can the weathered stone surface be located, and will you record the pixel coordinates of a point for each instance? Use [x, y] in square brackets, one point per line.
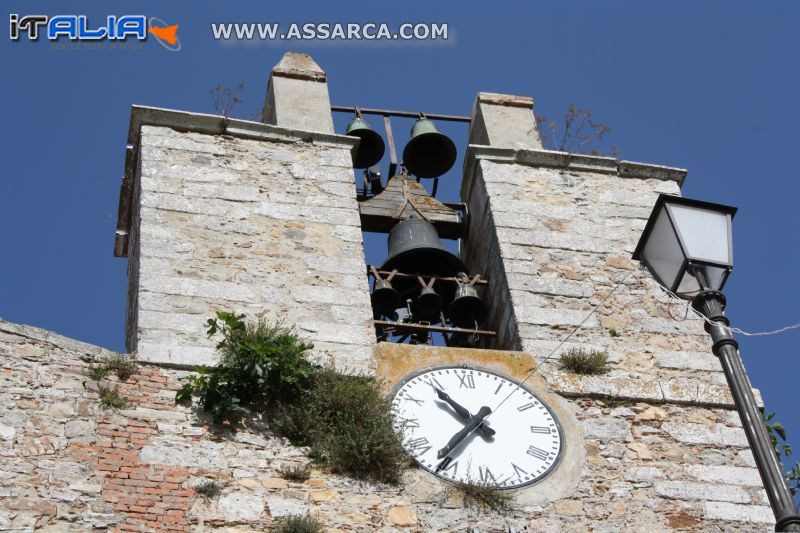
[279, 507]
[732, 475]
[687, 490]
[79, 428]
[738, 513]
[607, 429]
[402, 516]
[713, 434]
[241, 505]
[277, 234]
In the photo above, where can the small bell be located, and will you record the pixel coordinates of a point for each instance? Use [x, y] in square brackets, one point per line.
[429, 153]
[370, 149]
[385, 299]
[429, 304]
[467, 309]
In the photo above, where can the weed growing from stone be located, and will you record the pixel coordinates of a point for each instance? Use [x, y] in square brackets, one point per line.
[111, 398]
[298, 524]
[345, 420]
[208, 489]
[122, 365]
[485, 496]
[297, 473]
[587, 362]
[96, 372]
[614, 333]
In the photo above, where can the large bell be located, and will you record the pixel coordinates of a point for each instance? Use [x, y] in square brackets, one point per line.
[467, 309]
[370, 149]
[414, 247]
[385, 299]
[428, 154]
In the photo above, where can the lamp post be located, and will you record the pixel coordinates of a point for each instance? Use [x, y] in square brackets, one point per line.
[687, 246]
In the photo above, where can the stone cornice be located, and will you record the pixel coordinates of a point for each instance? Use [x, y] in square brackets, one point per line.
[565, 161]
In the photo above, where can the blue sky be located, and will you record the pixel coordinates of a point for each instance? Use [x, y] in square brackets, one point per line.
[711, 87]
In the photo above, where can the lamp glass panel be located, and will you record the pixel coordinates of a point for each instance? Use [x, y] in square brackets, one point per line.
[715, 277]
[688, 285]
[704, 233]
[662, 254]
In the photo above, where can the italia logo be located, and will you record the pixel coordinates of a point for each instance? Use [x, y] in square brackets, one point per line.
[78, 28]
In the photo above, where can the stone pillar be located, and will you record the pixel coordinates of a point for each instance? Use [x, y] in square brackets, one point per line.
[555, 231]
[297, 95]
[505, 121]
[250, 218]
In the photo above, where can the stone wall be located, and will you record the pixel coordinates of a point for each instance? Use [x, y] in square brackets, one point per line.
[264, 224]
[67, 463]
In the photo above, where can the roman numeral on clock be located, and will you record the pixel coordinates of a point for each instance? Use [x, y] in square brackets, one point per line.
[538, 453]
[466, 380]
[433, 381]
[419, 445]
[412, 399]
[519, 471]
[408, 423]
[486, 475]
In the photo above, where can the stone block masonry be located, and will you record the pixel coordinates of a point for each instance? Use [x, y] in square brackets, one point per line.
[68, 464]
[556, 233]
[265, 225]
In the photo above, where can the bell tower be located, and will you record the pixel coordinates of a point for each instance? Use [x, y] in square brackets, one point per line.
[267, 219]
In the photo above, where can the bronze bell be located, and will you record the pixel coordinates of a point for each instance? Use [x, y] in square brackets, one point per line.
[414, 247]
[370, 149]
[467, 309]
[428, 305]
[429, 153]
[385, 299]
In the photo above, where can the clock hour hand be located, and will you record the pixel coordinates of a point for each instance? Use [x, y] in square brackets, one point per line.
[473, 424]
[462, 412]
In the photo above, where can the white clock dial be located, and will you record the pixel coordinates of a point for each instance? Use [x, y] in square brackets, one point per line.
[518, 444]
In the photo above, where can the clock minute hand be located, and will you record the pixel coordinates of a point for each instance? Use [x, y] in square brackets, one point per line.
[474, 422]
[462, 412]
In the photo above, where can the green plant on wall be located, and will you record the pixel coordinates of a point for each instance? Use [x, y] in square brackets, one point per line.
[587, 362]
[344, 420]
[260, 363]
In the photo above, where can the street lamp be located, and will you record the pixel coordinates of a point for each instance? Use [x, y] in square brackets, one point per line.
[686, 245]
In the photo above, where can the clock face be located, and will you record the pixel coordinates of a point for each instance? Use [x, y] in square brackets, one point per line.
[517, 444]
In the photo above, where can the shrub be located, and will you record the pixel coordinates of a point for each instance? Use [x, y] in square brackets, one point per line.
[614, 333]
[260, 363]
[298, 473]
[346, 422]
[579, 361]
[208, 489]
[297, 524]
[111, 398]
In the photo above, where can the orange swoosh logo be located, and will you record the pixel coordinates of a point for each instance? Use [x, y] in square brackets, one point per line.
[168, 33]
